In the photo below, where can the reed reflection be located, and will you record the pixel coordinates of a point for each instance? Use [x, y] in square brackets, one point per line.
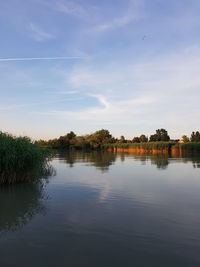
[19, 203]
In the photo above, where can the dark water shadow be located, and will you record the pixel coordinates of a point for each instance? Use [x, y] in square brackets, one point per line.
[20, 202]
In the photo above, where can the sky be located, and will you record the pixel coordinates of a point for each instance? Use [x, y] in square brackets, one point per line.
[129, 66]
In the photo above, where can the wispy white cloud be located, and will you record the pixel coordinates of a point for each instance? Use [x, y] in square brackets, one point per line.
[158, 93]
[95, 16]
[108, 112]
[39, 34]
[38, 58]
[71, 8]
[115, 23]
[132, 13]
[68, 92]
[101, 99]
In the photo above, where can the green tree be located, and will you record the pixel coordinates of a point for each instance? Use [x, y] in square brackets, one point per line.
[81, 142]
[100, 138]
[195, 137]
[70, 135]
[143, 138]
[153, 138]
[136, 140]
[122, 139]
[160, 135]
[66, 140]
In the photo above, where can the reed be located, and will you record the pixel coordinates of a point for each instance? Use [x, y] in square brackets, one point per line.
[20, 158]
[143, 146]
[193, 147]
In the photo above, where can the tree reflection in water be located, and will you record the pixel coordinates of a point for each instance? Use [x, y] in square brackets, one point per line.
[196, 162]
[100, 159]
[103, 159]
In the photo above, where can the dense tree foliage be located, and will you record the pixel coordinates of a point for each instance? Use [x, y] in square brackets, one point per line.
[143, 138]
[90, 141]
[195, 137]
[100, 138]
[136, 140]
[160, 135]
[122, 139]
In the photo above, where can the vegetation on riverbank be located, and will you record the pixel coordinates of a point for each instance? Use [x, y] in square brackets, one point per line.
[102, 139]
[21, 159]
[91, 141]
[190, 146]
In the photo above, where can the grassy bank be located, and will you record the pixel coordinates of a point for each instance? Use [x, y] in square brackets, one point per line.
[20, 159]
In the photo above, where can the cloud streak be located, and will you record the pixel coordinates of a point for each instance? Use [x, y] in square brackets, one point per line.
[38, 34]
[71, 8]
[133, 12]
[99, 21]
[39, 58]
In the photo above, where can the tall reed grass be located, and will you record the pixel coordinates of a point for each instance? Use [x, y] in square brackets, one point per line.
[20, 158]
[145, 146]
[193, 147]
[170, 147]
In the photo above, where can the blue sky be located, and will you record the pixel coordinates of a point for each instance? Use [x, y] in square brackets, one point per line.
[130, 66]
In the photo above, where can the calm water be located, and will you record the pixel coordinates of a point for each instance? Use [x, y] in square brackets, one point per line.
[104, 210]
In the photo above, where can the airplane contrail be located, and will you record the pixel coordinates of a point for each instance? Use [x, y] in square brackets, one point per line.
[38, 58]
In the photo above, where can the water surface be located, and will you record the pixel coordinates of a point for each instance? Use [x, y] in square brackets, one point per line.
[105, 209]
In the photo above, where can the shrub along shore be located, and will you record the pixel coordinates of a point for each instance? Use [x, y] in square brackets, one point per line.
[21, 159]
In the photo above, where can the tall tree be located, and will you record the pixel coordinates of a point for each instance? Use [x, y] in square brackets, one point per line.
[160, 135]
[99, 138]
[136, 139]
[122, 139]
[143, 138]
[195, 137]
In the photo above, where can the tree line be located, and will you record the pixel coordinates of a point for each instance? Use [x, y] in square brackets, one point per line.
[102, 137]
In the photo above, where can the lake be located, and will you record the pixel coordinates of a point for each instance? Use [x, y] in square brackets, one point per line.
[101, 209]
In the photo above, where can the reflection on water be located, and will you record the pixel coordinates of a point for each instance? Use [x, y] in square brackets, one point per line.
[196, 163]
[103, 159]
[34, 174]
[105, 209]
[20, 202]
[100, 159]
